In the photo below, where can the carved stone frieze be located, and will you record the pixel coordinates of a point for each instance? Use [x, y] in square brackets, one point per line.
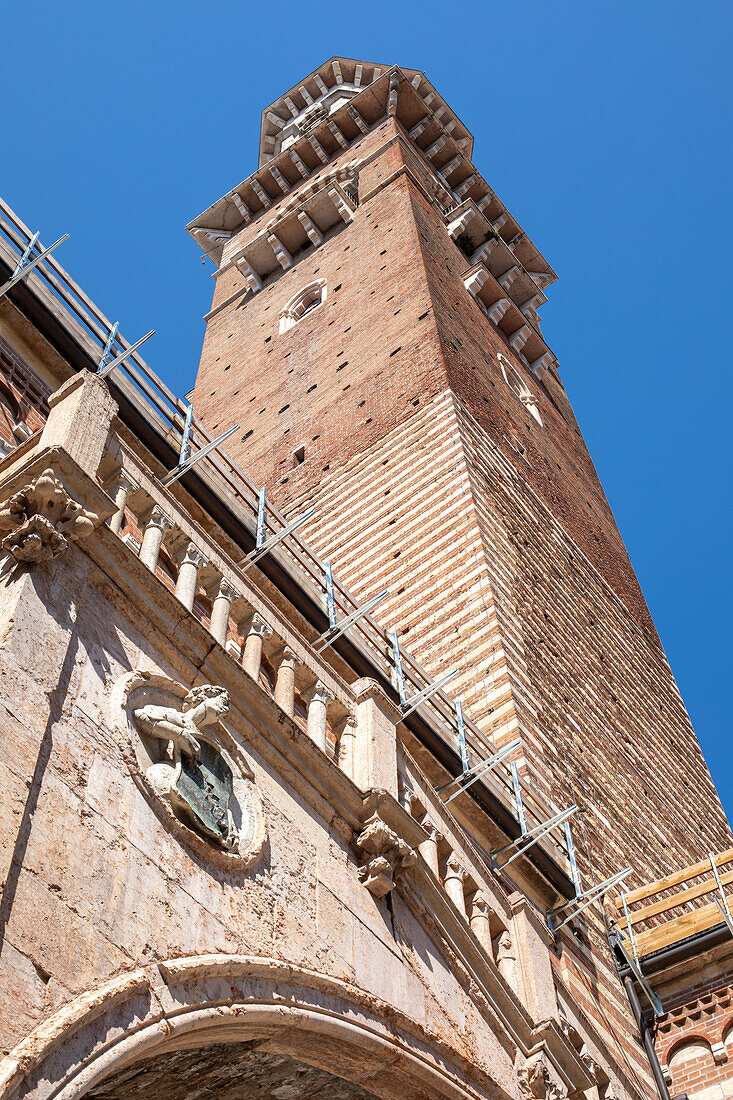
[387, 855]
[42, 519]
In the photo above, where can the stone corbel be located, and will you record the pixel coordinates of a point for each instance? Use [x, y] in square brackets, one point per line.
[537, 1082]
[47, 503]
[387, 841]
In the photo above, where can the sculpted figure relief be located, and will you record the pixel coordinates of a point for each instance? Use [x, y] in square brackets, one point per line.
[42, 520]
[195, 780]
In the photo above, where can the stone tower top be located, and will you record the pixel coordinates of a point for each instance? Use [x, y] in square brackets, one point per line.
[321, 118]
[329, 88]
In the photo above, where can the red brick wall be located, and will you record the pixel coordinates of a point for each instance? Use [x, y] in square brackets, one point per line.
[701, 1015]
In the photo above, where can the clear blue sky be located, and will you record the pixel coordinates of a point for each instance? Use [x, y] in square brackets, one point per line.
[603, 127]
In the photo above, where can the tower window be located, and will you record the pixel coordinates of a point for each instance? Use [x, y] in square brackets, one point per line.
[298, 456]
[515, 382]
[306, 300]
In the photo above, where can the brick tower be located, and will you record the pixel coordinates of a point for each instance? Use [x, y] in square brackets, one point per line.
[375, 333]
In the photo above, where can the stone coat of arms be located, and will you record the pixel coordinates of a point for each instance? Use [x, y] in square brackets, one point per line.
[191, 768]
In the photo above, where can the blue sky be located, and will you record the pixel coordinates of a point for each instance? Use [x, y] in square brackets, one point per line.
[601, 126]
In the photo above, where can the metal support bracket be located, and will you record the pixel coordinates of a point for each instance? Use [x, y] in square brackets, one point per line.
[183, 467]
[337, 629]
[108, 346]
[461, 737]
[263, 545]
[723, 907]
[519, 846]
[616, 940]
[186, 436]
[466, 779]
[108, 367]
[582, 901]
[408, 705]
[25, 265]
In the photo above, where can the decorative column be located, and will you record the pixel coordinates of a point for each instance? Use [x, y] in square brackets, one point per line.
[285, 683]
[157, 526]
[188, 571]
[506, 960]
[119, 490]
[347, 746]
[318, 699]
[219, 625]
[479, 921]
[454, 884]
[429, 848]
[252, 656]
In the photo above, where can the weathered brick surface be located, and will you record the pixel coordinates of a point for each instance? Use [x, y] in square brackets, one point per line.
[492, 532]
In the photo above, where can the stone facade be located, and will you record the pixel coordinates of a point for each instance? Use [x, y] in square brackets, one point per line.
[227, 861]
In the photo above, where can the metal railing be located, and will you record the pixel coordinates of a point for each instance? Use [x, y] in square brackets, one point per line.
[170, 415]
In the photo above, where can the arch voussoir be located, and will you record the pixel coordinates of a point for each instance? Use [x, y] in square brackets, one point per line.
[199, 1001]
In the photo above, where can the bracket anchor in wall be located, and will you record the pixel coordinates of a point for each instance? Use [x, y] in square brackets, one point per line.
[263, 545]
[26, 265]
[463, 781]
[336, 628]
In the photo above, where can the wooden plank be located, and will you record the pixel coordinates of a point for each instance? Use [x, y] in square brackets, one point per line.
[679, 929]
[681, 898]
[676, 879]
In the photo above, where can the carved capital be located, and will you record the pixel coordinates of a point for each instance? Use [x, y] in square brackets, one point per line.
[319, 693]
[226, 590]
[158, 518]
[42, 519]
[259, 627]
[389, 855]
[453, 869]
[193, 556]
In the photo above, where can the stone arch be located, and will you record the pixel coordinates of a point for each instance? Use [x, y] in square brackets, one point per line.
[200, 1001]
[687, 1049]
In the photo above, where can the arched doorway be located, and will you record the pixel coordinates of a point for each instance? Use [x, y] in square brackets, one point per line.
[230, 1020]
[225, 1071]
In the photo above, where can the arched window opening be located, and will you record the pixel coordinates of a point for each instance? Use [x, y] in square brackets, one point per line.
[515, 382]
[305, 301]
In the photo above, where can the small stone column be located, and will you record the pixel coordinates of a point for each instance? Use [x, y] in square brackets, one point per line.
[506, 960]
[285, 683]
[120, 488]
[219, 624]
[157, 526]
[188, 571]
[429, 848]
[318, 699]
[479, 921]
[252, 656]
[454, 884]
[347, 746]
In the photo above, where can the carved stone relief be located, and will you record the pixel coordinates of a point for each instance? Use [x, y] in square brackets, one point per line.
[190, 767]
[42, 520]
[387, 855]
[536, 1083]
